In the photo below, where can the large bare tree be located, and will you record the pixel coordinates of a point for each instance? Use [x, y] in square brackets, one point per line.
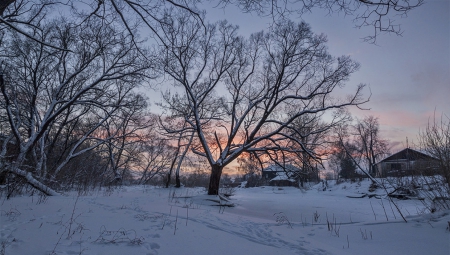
[239, 94]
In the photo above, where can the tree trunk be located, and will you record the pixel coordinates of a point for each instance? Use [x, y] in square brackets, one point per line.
[168, 178]
[172, 166]
[34, 182]
[214, 180]
[177, 180]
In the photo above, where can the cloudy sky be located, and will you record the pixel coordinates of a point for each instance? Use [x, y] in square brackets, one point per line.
[408, 75]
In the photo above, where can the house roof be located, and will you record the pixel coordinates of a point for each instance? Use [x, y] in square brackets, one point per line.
[278, 168]
[282, 177]
[408, 154]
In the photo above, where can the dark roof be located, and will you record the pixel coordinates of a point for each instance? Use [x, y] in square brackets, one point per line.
[408, 154]
[278, 168]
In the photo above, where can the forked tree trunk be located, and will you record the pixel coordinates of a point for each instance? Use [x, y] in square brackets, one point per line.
[214, 180]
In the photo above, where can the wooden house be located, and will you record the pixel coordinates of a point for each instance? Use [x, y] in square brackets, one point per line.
[406, 162]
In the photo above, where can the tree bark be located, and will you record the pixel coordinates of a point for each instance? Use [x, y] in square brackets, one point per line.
[214, 180]
[34, 182]
[177, 180]
[169, 175]
[168, 178]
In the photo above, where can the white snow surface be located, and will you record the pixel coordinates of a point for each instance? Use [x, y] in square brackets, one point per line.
[265, 220]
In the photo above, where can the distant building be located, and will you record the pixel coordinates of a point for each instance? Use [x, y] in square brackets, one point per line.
[277, 175]
[406, 162]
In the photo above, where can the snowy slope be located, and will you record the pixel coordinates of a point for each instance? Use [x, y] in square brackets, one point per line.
[264, 220]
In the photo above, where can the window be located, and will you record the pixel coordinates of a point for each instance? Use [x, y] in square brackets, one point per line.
[396, 166]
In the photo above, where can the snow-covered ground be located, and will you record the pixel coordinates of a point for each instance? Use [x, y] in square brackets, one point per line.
[265, 220]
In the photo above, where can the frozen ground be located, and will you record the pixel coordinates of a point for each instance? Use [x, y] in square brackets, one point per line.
[265, 220]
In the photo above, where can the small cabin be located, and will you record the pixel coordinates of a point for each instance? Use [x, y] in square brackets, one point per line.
[277, 175]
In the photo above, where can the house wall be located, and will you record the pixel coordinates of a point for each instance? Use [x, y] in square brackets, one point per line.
[269, 175]
[405, 168]
[286, 183]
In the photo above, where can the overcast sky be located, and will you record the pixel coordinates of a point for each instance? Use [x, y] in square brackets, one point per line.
[408, 75]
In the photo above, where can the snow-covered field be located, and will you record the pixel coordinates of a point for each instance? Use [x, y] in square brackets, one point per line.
[265, 220]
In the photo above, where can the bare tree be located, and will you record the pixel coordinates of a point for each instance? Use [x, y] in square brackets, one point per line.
[250, 166]
[313, 133]
[343, 161]
[44, 89]
[435, 141]
[236, 91]
[342, 152]
[361, 142]
[184, 142]
[370, 146]
[154, 157]
[126, 128]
